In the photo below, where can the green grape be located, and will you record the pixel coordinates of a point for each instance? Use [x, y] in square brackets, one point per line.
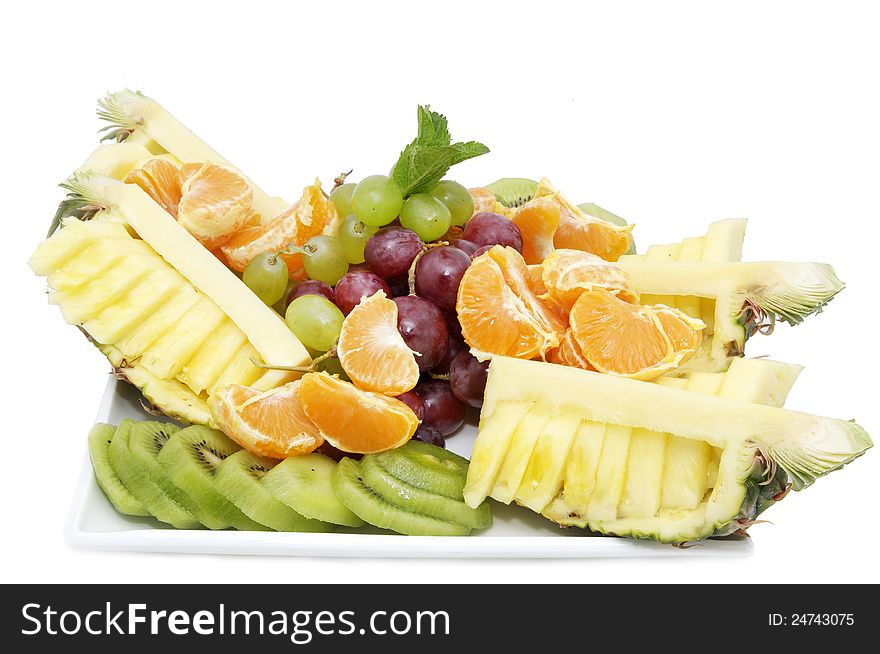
[324, 259]
[457, 199]
[377, 200]
[315, 321]
[353, 236]
[341, 198]
[266, 276]
[426, 216]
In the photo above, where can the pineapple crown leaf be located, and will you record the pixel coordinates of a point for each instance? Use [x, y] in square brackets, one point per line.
[82, 201]
[801, 291]
[112, 108]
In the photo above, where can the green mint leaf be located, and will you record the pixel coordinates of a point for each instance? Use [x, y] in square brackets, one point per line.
[427, 159]
[433, 128]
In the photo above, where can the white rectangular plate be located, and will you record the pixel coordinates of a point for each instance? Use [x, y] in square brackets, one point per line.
[516, 532]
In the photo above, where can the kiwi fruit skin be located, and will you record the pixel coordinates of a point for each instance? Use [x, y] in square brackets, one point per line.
[123, 501]
[305, 484]
[239, 479]
[146, 440]
[420, 501]
[350, 488]
[513, 192]
[189, 459]
[140, 484]
[427, 467]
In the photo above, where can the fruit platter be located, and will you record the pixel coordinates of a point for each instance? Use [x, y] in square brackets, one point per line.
[398, 358]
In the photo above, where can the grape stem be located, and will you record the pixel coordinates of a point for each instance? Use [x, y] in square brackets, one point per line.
[435, 375]
[411, 274]
[312, 367]
[340, 179]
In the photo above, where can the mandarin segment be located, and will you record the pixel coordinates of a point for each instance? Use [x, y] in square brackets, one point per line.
[355, 421]
[568, 273]
[569, 353]
[312, 215]
[685, 332]
[372, 351]
[161, 180]
[620, 338]
[271, 423]
[537, 220]
[215, 203]
[500, 311]
[579, 231]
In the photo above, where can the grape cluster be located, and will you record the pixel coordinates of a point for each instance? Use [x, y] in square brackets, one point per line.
[382, 241]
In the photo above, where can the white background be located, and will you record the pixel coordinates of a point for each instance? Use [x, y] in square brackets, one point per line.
[670, 114]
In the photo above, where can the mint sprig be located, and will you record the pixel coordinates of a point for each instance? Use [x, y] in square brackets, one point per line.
[426, 160]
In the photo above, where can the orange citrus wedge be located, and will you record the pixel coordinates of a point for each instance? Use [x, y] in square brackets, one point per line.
[313, 214]
[578, 231]
[537, 220]
[568, 273]
[685, 332]
[353, 420]
[620, 338]
[160, 179]
[211, 201]
[484, 199]
[372, 351]
[271, 423]
[569, 353]
[500, 311]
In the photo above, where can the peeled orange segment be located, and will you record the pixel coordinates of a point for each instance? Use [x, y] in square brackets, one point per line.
[620, 338]
[569, 353]
[568, 273]
[500, 311]
[270, 423]
[685, 332]
[579, 231]
[372, 351]
[484, 199]
[537, 220]
[216, 202]
[353, 420]
[160, 179]
[313, 214]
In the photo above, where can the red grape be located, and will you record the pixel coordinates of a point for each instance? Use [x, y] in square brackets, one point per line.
[311, 287]
[454, 346]
[483, 249]
[438, 274]
[467, 378]
[423, 328]
[468, 247]
[356, 285]
[430, 435]
[443, 410]
[452, 323]
[399, 286]
[414, 402]
[390, 251]
[488, 228]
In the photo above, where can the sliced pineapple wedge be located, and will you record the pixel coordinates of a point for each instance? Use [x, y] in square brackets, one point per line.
[628, 447]
[170, 317]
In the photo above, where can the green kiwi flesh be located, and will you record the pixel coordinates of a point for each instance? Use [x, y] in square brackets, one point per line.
[513, 191]
[99, 445]
[427, 467]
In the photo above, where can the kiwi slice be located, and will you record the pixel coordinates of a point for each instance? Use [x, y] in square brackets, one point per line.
[141, 484]
[596, 211]
[146, 441]
[427, 467]
[421, 501]
[352, 490]
[190, 459]
[304, 483]
[99, 444]
[513, 191]
[239, 477]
